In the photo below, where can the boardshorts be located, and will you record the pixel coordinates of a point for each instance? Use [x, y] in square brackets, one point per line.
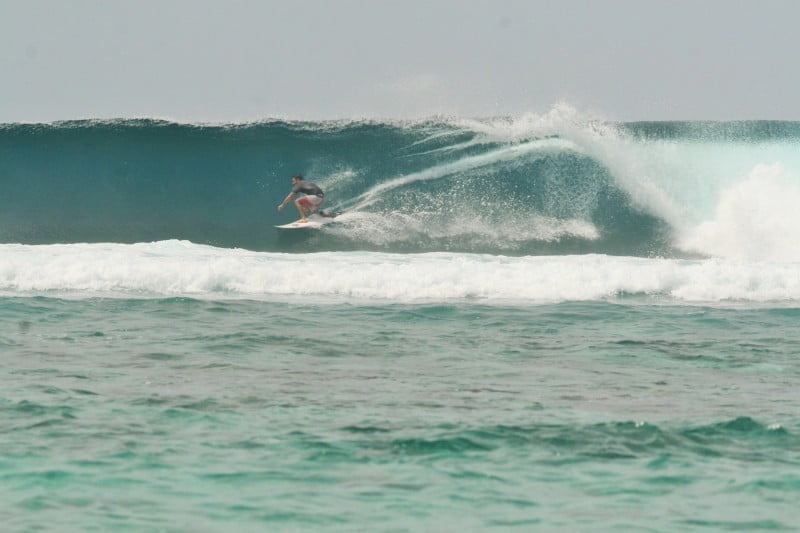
[311, 200]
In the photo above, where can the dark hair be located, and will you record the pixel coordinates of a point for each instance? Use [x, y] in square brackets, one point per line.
[298, 176]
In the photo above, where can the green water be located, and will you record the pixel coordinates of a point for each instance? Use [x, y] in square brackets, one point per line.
[195, 415]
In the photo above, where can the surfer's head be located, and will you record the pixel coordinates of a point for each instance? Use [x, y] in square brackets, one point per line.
[297, 177]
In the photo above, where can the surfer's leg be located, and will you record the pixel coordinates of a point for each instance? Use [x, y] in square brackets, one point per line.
[316, 203]
[301, 209]
[312, 203]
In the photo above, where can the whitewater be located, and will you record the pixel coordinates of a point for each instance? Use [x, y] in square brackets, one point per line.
[540, 322]
[180, 268]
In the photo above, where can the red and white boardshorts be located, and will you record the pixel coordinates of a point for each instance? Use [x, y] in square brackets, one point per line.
[311, 200]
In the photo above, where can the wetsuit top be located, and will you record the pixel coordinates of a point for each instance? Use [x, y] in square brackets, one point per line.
[306, 187]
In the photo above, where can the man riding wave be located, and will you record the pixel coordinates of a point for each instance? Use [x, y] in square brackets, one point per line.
[307, 204]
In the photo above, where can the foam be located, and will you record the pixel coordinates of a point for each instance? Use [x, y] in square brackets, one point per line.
[756, 219]
[180, 268]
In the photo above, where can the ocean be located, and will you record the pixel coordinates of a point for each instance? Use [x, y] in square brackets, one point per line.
[530, 323]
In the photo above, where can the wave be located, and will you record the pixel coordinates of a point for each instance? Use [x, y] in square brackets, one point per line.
[183, 269]
[539, 184]
[571, 443]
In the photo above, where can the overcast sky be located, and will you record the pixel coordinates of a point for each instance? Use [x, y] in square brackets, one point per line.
[208, 60]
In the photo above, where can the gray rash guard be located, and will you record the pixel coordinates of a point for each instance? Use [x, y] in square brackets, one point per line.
[306, 187]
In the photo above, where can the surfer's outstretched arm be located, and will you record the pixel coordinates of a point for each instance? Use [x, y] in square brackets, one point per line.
[286, 200]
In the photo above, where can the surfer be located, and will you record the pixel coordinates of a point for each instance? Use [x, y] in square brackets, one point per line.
[307, 204]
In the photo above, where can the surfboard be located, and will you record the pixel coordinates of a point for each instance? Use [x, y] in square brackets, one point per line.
[314, 222]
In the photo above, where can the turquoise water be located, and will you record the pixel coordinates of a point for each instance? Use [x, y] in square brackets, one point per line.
[182, 414]
[532, 323]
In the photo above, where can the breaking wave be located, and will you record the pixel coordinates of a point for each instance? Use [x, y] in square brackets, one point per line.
[539, 184]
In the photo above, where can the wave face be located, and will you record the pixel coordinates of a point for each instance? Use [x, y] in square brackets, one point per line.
[550, 184]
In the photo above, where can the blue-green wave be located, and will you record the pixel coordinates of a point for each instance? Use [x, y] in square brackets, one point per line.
[520, 186]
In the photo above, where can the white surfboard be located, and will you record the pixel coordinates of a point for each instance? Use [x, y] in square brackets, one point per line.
[314, 222]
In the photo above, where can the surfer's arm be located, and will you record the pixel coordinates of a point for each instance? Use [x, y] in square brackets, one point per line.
[286, 200]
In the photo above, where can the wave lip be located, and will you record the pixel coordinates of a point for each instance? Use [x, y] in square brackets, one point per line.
[181, 268]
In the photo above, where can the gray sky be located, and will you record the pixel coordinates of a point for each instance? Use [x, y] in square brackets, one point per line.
[208, 60]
